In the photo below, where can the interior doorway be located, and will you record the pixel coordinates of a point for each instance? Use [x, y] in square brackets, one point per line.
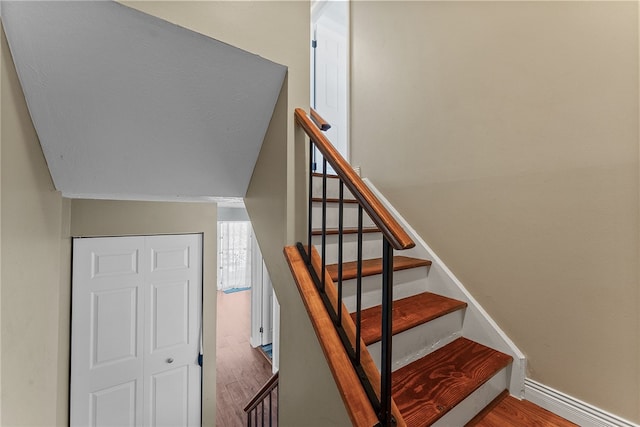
[235, 242]
[241, 268]
[330, 70]
[247, 317]
[241, 369]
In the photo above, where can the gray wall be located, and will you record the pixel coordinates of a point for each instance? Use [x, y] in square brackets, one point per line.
[232, 214]
[130, 106]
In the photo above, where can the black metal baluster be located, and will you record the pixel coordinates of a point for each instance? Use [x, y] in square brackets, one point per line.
[270, 409]
[310, 207]
[359, 287]
[324, 221]
[340, 241]
[382, 402]
[387, 320]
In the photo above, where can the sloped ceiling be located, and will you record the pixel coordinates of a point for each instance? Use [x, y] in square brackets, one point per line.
[127, 105]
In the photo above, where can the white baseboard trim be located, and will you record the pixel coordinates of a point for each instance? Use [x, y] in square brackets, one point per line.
[572, 409]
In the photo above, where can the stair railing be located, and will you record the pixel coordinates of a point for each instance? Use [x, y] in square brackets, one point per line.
[394, 237]
[262, 410]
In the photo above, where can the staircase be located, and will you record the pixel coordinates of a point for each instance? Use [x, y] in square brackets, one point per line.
[434, 374]
[426, 327]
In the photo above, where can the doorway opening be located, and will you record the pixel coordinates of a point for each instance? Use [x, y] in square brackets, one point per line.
[330, 70]
[247, 317]
[234, 256]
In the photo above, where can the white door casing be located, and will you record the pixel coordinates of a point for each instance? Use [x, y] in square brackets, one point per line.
[136, 313]
[267, 306]
[265, 309]
[275, 354]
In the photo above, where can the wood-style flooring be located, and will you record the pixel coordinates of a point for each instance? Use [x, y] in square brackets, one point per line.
[443, 378]
[507, 411]
[240, 369]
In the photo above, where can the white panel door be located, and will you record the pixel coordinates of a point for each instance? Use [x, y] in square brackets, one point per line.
[172, 373]
[107, 332]
[331, 81]
[136, 313]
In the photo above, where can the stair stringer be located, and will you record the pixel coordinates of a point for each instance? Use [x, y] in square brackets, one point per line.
[478, 325]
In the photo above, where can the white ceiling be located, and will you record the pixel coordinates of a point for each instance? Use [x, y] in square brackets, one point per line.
[130, 106]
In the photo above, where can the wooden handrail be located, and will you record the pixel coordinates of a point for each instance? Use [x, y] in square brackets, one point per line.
[320, 121]
[353, 394]
[368, 365]
[395, 234]
[262, 393]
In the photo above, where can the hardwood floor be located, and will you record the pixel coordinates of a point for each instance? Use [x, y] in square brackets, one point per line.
[507, 411]
[240, 369]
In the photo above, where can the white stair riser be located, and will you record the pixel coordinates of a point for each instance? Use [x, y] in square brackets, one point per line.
[371, 247]
[421, 340]
[464, 411]
[406, 283]
[350, 216]
[333, 188]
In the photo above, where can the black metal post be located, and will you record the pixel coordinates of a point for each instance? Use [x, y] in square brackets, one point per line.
[324, 221]
[270, 409]
[340, 241]
[310, 207]
[387, 320]
[262, 410]
[359, 287]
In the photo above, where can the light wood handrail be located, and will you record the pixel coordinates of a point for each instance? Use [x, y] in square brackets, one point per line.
[320, 121]
[395, 234]
[263, 392]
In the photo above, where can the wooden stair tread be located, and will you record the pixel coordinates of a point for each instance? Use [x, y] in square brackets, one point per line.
[506, 410]
[428, 388]
[329, 175]
[371, 267]
[346, 230]
[334, 200]
[407, 313]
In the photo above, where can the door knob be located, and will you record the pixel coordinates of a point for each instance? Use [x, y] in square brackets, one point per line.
[170, 360]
